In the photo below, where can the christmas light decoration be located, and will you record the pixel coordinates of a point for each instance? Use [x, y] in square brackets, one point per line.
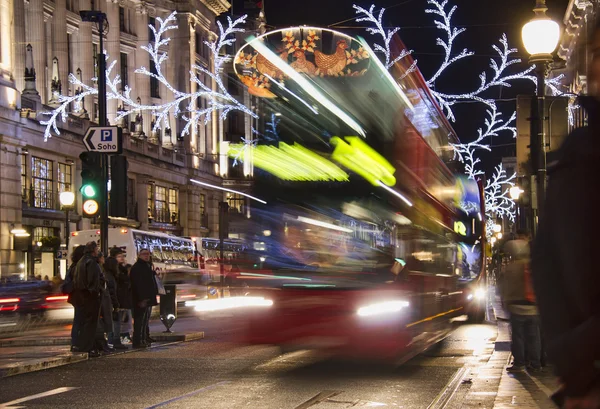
[219, 100]
[498, 201]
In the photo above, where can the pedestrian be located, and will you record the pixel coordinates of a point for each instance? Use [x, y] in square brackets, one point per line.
[143, 291]
[518, 297]
[74, 296]
[565, 257]
[109, 301]
[86, 281]
[124, 294]
[112, 270]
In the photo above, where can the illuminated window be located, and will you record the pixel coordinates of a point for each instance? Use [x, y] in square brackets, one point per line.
[150, 203]
[173, 205]
[161, 209]
[42, 183]
[64, 178]
[24, 174]
[236, 202]
[40, 232]
[202, 204]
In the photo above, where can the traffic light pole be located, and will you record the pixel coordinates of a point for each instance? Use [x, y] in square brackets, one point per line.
[102, 122]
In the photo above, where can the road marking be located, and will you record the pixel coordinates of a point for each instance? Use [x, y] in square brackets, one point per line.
[318, 398]
[449, 390]
[187, 395]
[36, 396]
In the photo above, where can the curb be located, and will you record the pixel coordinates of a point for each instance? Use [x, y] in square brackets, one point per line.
[41, 364]
[42, 342]
[36, 342]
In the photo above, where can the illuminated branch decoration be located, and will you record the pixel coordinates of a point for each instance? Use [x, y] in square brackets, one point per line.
[218, 101]
[497, 197]
[387, 36]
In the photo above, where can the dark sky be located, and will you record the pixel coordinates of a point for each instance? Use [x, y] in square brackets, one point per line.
[485, 21]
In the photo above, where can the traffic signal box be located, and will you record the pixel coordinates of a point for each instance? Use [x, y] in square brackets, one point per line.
[118, 186]
[91, 183]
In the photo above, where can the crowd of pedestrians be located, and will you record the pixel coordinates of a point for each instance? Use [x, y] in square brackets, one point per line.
[104, 291]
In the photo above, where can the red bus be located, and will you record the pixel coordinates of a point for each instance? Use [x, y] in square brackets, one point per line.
[354, 225]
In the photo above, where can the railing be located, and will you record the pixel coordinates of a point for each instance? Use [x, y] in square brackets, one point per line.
[165, 216]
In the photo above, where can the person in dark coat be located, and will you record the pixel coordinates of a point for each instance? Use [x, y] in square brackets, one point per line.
[565, 256]
[143, 292]
[124, 295]
[74, 299]
[112, 270]
[86, 282]
[108, 304]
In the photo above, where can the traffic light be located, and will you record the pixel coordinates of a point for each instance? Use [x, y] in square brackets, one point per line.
[91, 182]
[118, 186]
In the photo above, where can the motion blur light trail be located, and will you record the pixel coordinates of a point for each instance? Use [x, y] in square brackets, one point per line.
[228, 303]
[227, 190]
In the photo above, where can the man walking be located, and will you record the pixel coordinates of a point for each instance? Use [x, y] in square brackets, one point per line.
[86, 281]
[143, 291]
[518, 297]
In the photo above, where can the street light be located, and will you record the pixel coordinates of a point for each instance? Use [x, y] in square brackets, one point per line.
[497, 228]
[67, 200]
[515, 192]
[540, 38]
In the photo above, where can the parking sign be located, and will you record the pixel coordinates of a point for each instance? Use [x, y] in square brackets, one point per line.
[106, 139]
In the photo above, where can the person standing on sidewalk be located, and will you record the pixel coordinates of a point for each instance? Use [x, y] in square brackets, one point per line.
[565, 254]
[112, 272]
[75, 299]
[143, 291]
[124, 295]
[86, 281]
[519, 299]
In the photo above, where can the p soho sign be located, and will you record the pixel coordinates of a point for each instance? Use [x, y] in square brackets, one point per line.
[104, 139]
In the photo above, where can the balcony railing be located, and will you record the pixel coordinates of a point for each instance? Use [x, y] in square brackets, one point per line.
[164, 216]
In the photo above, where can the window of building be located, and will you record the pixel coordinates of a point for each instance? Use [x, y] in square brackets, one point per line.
[93, 5]
[64, 178]
[131, 198]
[150, 203]
[42, 183]
[236, 202]
[199, 41]
[151, 22]
[124, 71]
[154, 84]
[122, 26]
[40, 232]
[202, 204]
[174, 204]
[95, 55]
[161, 209]
[24, 175]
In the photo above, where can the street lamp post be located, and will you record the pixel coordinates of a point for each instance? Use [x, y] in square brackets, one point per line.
[540, 38]
[67, 200]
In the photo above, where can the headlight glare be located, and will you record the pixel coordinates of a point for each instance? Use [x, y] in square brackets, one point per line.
[386, 307]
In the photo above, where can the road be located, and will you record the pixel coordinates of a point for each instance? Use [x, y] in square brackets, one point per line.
[217, 373]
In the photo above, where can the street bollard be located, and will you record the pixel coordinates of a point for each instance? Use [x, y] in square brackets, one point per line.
[168, 307]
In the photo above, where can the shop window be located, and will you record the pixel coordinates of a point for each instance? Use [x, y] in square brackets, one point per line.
[42, 183]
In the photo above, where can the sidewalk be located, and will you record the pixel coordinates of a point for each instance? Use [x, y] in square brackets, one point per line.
[521, 390]
[49, 347]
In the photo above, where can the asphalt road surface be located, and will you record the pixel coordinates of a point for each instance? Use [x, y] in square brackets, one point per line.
[217, 373]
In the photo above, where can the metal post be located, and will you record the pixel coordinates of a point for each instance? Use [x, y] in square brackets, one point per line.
[67, 234]
[102, 122]
[537, 144]
[541, 161]
[223, 234]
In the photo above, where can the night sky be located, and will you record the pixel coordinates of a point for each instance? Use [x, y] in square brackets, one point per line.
[485, 21]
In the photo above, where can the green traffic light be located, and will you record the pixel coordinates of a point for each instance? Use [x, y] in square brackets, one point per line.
[88, 191]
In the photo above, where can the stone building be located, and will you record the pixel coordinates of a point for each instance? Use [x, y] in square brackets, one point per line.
[41, 42]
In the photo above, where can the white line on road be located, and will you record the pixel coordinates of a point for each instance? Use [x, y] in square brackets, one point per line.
[187, 395]
[56, 391]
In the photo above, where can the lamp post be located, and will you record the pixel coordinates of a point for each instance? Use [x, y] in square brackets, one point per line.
[67, 200]
[515, 193]
[540, 38]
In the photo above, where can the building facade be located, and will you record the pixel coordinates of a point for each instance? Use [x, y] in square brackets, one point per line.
[41, 42]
